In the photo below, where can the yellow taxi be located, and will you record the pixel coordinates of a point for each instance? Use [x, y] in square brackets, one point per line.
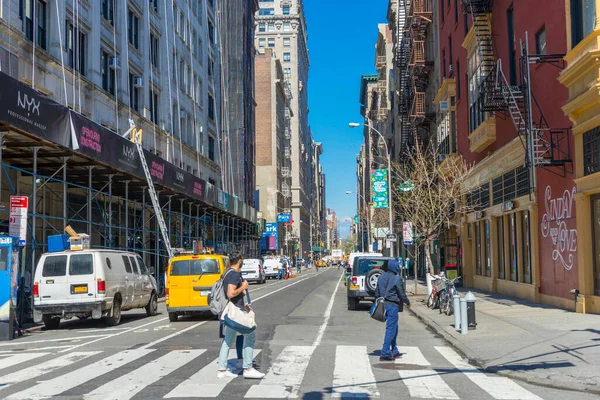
[190, 278]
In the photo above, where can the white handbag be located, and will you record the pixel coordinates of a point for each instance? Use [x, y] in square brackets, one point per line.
[238, 320]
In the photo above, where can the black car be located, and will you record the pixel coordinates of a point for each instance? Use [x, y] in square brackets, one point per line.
[362, 279]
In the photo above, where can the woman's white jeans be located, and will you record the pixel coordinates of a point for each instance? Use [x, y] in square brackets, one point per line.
[228, 341]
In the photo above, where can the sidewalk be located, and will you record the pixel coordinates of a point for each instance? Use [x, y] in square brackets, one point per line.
[532, 342]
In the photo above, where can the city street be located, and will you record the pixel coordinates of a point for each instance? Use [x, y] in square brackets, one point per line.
[308, 343]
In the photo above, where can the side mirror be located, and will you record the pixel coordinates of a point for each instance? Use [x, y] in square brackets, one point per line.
[152, 270]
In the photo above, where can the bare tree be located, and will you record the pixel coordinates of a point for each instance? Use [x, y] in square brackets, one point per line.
[430, 192]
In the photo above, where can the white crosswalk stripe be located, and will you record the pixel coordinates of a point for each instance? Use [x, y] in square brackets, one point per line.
[35, 371]
[285, 376]
[411, 355]
[75, 378]
[498, 387]
[204, 383]
[426, 384]
[12, 360]
[352, 374]
[127, 386]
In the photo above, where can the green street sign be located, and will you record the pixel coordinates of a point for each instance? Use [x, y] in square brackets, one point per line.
[316, 248]
[407, 186]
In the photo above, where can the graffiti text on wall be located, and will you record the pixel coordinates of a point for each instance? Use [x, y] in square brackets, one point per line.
[554, 224]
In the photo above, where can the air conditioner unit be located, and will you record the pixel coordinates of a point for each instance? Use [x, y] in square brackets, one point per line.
[115, 63]
[444, 105]
[138, 82]
[182, 114]
[450, 68]
[442, 157]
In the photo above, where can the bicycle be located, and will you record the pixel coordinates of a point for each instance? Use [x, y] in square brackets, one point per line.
[433, 301]
[446, 302]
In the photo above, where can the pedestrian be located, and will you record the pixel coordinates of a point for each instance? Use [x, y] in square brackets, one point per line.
[390, 286]
[235, 287]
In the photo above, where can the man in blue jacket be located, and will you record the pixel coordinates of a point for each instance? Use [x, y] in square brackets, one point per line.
[391, 288]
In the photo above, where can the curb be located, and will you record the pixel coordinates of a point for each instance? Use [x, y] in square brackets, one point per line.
[466, 352]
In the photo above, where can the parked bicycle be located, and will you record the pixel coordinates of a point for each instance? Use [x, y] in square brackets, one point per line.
[446, 295]
[433, 301]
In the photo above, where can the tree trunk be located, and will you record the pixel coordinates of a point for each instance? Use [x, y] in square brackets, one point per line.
[428, 257]
[416, 266]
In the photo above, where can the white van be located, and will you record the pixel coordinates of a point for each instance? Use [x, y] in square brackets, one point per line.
[272, 267]
[91, 283]
[252, 271]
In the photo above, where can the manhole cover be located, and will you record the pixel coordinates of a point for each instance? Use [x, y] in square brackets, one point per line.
[171, 348]
[399, 367]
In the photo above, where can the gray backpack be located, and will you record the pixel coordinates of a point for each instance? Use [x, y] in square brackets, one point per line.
[217, 299]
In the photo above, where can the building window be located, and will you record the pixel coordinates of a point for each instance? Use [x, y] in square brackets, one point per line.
[76, 48]
[591, 151]
[512, 52]
[262, 27]
[526, 226]
[271, 42]
[512, 237]
[455, 10]
[134, 93]
[287, 57]
[211, 32]
[487, 248]
[154, 50]
[133, 30]
[262, 42]
[287, 72]
[286, 10]
[287, 27]
[211, 148]
[450, 69]
[266, 11]
[501, 254]
[153, 106]
[583, 19]
[174, 66]
[108, 11]
[540, 41]
[154, 5]
[442, 9]
[39, 7]
[108, 74]
[466, 23]
[271, 27]
[286, 42]
[478, 249]
[211, 67]
[211, 107]
[458, 79]
[174, 120]
[476, 112]
[596, 238]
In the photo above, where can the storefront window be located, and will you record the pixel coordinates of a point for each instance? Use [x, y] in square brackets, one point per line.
[526, 247]
[488, 252]
[514, 273]
[501, 261]
[478, 248]
[596, 229]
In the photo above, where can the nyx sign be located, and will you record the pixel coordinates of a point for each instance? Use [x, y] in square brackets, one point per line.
[28, 103]
[129, 152]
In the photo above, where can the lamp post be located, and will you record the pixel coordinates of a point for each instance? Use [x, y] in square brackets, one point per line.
[362, 244]
[389, 161]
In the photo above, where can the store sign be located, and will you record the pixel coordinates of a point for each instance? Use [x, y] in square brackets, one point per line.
[559, 212]
[508, 206]
[269, 239]
[18, 218]
[379, 188]
[407, 233]
[284, 218]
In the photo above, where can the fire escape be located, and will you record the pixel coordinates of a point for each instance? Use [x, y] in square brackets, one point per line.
[545, 146]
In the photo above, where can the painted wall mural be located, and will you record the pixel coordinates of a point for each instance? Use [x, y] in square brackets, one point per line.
[554, 225]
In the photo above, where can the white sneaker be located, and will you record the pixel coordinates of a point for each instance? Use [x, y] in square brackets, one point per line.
[226, 374]
[253, 374]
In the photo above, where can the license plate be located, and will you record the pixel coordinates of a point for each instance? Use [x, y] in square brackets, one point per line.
[354, 287]
[79, 289]
[204, 292]
[275, 269]
[244, 273]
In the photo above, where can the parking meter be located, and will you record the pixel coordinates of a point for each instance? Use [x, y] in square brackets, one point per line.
[9, 270]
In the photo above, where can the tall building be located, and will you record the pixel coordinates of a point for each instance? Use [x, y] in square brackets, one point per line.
[89, 68]
[282, 27]
[273, 166]
[238, 135]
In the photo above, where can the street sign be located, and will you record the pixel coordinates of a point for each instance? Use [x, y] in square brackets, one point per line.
[391, 237]
[379, 188]
[407, 186]
[18, 217]
[407, 233]
[285, 218]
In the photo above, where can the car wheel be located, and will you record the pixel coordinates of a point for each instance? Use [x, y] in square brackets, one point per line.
[51, 322]
[152, 306]
[352, 303]
[115, 319]
[173, 317]
[371, 279]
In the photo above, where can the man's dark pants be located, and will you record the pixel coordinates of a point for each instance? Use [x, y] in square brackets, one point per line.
[390, 348]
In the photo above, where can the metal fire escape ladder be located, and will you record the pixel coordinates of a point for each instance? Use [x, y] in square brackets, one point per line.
[404, 53]
[136, 138]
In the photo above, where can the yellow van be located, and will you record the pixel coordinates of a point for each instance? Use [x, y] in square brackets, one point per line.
[189, 281]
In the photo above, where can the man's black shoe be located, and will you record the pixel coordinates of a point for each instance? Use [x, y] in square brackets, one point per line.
[381, 358]
[397, 355]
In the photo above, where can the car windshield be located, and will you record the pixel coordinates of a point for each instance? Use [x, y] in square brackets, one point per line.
[367, 264]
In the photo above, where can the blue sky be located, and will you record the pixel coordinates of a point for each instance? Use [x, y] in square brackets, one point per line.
[341, 38]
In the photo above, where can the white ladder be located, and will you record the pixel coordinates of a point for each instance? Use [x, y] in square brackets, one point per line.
[136, 137]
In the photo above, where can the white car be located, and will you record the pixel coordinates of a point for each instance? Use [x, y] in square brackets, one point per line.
[272, 267]
[253, 271]
[91, 283]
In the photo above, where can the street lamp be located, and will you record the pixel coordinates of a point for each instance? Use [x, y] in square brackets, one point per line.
[389, 160]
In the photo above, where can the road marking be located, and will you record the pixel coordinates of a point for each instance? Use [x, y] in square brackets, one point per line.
[285, 376]
[80, 376]
[64, 339]
[12, 360]
[411, 355]
[115, 334]
[327, 314]
[33, 349]
[352, 374]
[204, 383]
[284, 287]
[427, 384]
[44, 368]
[498, 387]
[128, 385]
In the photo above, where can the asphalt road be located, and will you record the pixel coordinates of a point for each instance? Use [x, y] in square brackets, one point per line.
[311, 347]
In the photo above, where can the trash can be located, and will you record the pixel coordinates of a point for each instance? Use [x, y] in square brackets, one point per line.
[471, 317]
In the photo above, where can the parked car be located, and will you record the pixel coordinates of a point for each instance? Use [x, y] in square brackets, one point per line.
[350, 262]
[253, 271]
[91, 283]
[362, 281]
[272, 267]
[189, 281]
